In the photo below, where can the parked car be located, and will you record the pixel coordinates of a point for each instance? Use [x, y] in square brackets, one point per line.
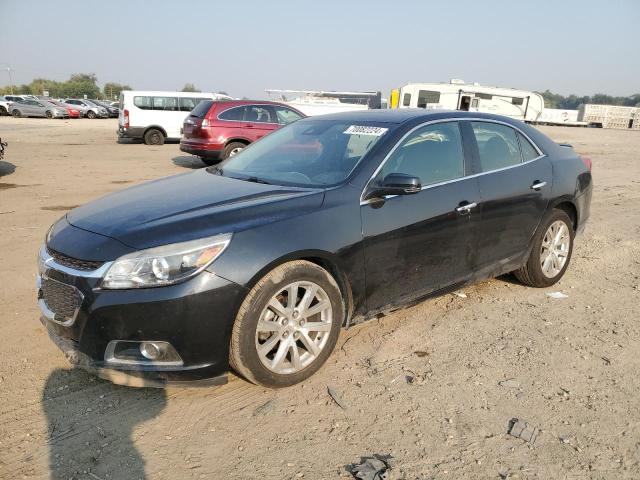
[157, 116]
[111, 110]
[37, 108]
[256, 263]
[5, 105]
[218, 130]
[71, 110]
[88, 108]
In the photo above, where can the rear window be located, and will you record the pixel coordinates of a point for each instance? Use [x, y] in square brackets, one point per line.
[201, 109]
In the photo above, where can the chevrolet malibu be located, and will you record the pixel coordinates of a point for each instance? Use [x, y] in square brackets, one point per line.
[255, 264]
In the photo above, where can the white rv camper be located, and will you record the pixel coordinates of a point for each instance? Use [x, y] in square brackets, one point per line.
[458, 95]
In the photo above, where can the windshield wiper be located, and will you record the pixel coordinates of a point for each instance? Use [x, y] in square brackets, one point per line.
[257, 180]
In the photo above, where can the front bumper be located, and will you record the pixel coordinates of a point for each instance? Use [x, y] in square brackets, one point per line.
[195, 317]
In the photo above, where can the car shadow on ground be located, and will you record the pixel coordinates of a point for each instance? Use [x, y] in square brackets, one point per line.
[188, 161]
[90, 424]
[6, 168]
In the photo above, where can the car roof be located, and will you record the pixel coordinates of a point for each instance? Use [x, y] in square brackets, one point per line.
[251, 102]
[402, 115]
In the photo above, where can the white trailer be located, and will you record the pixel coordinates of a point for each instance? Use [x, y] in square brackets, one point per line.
[472, 97]
[559, 116]
[319, 102]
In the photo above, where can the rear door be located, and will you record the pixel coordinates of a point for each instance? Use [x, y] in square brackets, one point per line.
[515, 181]
[259, 120]
[416, 244]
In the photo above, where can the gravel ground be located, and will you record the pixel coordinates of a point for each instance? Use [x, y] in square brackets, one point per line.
[435, 385]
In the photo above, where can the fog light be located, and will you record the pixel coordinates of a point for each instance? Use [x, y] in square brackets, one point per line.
[150, 350]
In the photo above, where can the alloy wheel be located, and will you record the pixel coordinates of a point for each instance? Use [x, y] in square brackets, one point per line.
[235, 151]
[555, 249]
[294, 327]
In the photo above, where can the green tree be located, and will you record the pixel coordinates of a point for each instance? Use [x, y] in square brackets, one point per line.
[112, 90]
[189, 87]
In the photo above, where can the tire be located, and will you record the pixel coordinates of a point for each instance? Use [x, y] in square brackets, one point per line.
[48, 114]
[210, 161]
[233, 148]
[539, 273]
[153, 136]
[3, 111]
[16, 113]
[91, 114]
[286, 334]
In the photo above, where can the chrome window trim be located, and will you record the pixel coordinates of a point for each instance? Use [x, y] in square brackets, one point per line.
[433, 185]
[248, 121]
[46, 261]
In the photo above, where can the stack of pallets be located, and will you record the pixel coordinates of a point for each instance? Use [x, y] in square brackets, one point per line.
[610, 116]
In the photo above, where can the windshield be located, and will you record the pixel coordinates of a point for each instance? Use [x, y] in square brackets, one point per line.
[308, 153]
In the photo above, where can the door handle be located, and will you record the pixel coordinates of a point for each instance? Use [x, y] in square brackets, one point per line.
[537, 185]
[466, 208]
[248, 125]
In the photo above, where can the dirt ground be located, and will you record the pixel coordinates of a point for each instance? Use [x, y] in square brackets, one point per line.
[435, 385]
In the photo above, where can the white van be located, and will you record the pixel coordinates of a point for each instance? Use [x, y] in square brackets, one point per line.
[157, 116]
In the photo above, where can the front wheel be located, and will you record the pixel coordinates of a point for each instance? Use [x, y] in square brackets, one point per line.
[16, 113]
[551, 252]
[3, 111]
[48, 114]
[91, 114]
[287, 325]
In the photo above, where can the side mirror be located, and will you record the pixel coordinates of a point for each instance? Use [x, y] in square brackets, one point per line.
[396, 184]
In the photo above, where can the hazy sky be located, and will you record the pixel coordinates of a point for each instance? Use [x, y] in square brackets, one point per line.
[243, 47]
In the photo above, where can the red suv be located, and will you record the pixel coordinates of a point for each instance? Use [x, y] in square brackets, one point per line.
[216, 130]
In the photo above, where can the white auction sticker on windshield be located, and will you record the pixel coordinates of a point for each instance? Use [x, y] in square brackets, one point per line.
[363, 130]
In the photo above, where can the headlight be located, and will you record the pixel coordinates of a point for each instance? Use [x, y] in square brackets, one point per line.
[164, 265]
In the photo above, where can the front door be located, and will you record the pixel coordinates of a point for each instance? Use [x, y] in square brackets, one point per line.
[465, 103]
[515, 185]
[418, 243]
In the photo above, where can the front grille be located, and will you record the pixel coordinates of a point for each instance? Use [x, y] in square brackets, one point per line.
[60, 298]
[84, 265]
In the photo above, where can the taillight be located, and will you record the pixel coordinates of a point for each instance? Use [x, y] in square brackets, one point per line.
[586, 161]
[205, 123]
[126, 118]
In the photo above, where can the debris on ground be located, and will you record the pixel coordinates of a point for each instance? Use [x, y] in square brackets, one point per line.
[337, 398]
[460, 294]
[521, 429]
[557, 295]
[372, 468]
[509, 383]
[264, 408]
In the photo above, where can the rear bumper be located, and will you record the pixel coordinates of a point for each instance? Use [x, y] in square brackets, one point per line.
[583, 204]
[211, 151]
[131, 132]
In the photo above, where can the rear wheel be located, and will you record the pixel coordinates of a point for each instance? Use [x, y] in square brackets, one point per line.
[16, 113]
[3, 111]
[551, 252]
[233, 149]
[48, 114]
[287, 325]
[153, 136]
[91, 114]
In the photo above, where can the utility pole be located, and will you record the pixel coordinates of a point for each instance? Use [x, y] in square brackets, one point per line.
[10, 79]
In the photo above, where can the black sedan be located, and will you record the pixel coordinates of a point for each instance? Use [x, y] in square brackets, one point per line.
[256, 263]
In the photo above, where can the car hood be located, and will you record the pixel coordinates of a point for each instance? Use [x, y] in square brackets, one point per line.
[189, 206]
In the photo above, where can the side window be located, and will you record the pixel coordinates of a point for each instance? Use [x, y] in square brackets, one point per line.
[528, 151]
[187, 104]
[406, 100]
[427, 96]
[165, 103]
[259, 114]
[498, 145]
[286, 116]
[143, 103]
[234, 114]
[433, 153]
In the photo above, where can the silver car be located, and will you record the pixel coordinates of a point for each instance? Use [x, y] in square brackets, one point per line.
[88, 108]
[37, 108]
